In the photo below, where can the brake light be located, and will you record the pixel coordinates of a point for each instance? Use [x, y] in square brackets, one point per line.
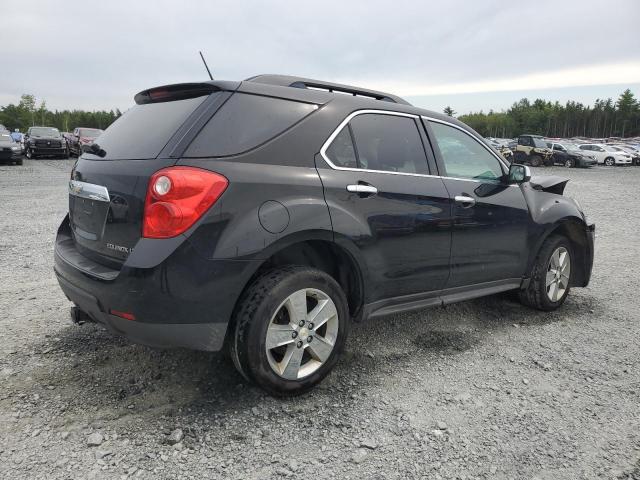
[125, 315]
[177, 197]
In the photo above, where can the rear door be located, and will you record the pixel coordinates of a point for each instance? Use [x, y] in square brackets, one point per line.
[491, 218]
[383, 198]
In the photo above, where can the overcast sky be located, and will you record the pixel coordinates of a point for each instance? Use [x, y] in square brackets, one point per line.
[471, 55]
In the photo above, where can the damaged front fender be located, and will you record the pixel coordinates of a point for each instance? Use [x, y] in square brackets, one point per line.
[549, 183]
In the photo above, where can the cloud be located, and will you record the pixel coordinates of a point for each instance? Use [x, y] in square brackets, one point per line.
[79, 54]
[625, 73]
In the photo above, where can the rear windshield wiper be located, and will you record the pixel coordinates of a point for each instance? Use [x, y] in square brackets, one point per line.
[94, 149]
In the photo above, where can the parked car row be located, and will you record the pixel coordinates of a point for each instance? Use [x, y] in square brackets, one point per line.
[536, 150]
[44, 142]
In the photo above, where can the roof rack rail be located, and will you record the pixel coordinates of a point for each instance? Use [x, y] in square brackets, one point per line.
[299, 82]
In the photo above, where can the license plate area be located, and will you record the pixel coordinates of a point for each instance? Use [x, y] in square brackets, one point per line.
[88, 209]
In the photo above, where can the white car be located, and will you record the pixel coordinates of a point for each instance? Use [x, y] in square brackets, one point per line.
[607, 154]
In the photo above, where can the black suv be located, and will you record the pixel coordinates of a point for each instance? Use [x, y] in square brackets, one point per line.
[266, 215]
[45, 141]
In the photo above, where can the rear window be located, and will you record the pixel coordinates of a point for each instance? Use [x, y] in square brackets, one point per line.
[143, 131]
[245, 122]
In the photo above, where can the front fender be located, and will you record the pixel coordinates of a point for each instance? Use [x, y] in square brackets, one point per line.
[551, 212]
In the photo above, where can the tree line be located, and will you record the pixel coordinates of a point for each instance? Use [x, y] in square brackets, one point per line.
[605, 118]
[28, 113]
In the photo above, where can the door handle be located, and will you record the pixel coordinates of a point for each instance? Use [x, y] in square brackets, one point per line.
[465, 201]
[359, 188]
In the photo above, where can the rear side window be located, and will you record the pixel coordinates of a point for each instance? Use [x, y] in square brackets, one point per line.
[341, 151]
[388, 143]
[143, 130]
[244, 122]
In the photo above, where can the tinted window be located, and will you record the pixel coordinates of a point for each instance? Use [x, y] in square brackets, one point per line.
[526, 141]
[143, 130]
[245, 122]
[341, 151]
[463, 156]
[388, 143]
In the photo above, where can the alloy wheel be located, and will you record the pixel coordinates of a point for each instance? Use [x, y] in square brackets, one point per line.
[302, 334]
[558, 274]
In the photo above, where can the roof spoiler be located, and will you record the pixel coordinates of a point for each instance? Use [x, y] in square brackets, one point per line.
[299, 82]
[179, 91]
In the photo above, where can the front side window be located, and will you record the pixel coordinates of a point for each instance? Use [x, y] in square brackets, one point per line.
[463, 156]
[388, 143]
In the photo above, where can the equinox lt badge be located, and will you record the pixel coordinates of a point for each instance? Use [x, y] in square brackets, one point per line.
[119, 248]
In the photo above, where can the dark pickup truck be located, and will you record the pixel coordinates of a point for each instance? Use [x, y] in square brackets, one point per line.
[45, 141]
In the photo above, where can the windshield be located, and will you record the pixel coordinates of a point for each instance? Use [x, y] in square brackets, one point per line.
[44, 132]
[92, 133]
[539, 143]
[5, 138]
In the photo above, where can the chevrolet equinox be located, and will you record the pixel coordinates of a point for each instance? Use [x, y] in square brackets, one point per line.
[266, 215]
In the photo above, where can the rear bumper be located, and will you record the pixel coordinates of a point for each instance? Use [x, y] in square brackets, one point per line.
[182, 301]
[196, 336]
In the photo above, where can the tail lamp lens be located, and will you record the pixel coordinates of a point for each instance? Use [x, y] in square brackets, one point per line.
[177, 197]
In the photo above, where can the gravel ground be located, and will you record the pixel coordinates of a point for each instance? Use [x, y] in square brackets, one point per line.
[482, 389]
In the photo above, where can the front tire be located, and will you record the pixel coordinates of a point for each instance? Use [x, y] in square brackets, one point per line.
[536, 160]
[289, 329]
[609, 162]
[569, 163]
[29, 154]
[551, 275]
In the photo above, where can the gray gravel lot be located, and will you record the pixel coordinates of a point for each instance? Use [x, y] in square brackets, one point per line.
[482, 389]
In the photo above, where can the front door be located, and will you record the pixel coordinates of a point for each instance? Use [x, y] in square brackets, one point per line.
[491, 217]
[381, 197]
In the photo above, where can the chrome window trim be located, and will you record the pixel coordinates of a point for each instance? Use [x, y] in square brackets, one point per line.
[89, 191]
[334, 134]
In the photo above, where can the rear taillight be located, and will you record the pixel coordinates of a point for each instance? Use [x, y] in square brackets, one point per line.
[177, 197]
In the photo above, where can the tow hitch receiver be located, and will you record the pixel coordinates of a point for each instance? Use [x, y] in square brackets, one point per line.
[78, 316]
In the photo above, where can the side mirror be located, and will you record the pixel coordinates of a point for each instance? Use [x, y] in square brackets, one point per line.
[519, 173]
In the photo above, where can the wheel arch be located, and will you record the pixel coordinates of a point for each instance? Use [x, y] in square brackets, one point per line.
[575, 230]
[318, 249]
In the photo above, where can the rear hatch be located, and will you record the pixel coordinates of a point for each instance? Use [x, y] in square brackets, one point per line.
[109, 183]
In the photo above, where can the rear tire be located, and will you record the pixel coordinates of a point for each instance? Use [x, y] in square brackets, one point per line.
[278, 346]
[569, 163]
[552, 268]
[609, 162]
[535, 160]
